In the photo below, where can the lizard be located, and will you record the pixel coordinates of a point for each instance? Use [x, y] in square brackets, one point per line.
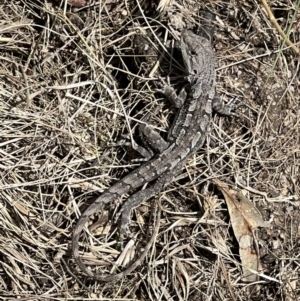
[187, 134]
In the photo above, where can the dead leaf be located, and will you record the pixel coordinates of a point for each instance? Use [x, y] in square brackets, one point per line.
[244, 219]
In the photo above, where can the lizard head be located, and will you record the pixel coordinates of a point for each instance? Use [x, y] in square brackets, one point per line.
[196, 51]
[198, 57]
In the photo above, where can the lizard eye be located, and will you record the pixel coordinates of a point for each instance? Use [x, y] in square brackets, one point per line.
[192, 52]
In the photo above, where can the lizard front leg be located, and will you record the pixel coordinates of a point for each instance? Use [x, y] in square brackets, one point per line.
[176, 100]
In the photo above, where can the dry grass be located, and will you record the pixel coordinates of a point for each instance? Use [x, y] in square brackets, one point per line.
[75, 80]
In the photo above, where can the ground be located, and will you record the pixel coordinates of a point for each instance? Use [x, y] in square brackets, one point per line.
[76, 79]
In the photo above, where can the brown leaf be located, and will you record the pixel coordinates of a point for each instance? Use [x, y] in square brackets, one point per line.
[244, 218]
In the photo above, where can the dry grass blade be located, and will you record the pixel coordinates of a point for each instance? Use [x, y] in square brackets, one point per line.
[273, 20]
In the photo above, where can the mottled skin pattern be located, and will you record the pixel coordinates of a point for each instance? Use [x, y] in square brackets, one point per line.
[186, 136]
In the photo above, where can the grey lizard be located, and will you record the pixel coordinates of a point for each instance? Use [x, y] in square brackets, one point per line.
[186, 136]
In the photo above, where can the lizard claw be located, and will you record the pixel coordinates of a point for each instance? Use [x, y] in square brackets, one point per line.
[163, 85]
[226, 108]
[117, 216]
[233, 105]
[163, 81]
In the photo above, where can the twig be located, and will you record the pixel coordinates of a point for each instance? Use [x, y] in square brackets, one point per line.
[275, 23]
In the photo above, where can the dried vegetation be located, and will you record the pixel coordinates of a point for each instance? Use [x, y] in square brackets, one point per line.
[75, 80]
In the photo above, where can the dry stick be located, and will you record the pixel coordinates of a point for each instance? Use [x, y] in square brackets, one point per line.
[224, 271]
[28, 100]
[273, 20]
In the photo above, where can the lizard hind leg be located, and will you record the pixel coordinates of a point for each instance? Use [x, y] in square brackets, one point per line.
[152, 139]
[153, 143]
